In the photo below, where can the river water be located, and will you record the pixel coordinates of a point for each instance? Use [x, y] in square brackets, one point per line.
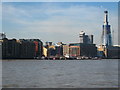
[60, 73]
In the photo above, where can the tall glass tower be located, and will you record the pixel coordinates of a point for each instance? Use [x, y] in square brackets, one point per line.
[106, 33]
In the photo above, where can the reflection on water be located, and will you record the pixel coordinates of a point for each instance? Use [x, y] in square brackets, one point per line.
[60, 74]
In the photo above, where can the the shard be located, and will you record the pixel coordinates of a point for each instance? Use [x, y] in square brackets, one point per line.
[106, 33]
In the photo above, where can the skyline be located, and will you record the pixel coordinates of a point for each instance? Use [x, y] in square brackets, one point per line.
[58, 22]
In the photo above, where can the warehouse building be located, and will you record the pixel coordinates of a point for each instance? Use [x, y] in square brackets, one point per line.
[35, 49]
[27, 49]
[109, 51]
[81, 49]
[112, 52]
[66, 51]
[23, 48]
[10, 49]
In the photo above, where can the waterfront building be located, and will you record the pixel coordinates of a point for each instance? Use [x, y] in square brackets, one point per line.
[112, 52]
[85, 48]
[38, 47]
[54, 50]
[82, 49]
[38, 52]
[87, 39]
[51, 51]
[66, 51]
[27, 49]
[109, 51]
[74, 50]
[100, 51]
[23, 48]
[10, 49]
[45, 52]
[59, 51]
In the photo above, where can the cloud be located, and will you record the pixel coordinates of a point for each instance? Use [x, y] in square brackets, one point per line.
[54, 19]
[60, 1]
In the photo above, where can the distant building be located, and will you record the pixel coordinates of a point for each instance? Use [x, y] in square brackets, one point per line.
[51, 51]
[48, 43]
[112, 52]
[66, 51]
[109, 51]
[59, 43]
[100, 51]
[59, 50]
[74, 50]
[45, 52]
[2, 35]
[87, 39]
[54, 50]
[82, 49]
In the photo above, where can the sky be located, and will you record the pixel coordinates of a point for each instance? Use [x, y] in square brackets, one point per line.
[58, 21]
